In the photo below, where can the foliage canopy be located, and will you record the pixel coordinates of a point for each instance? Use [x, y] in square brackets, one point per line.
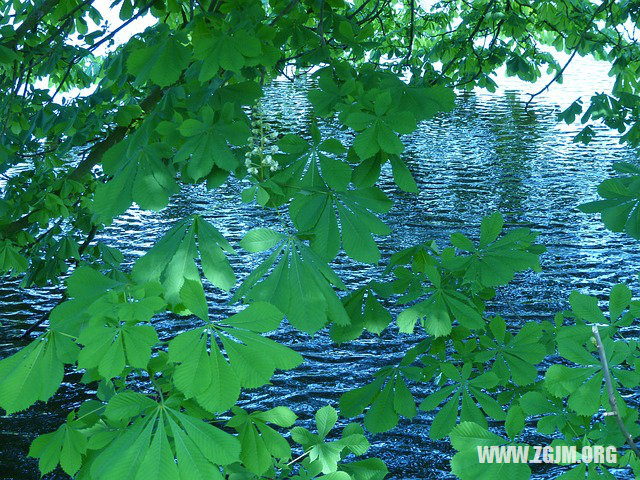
[179, 104]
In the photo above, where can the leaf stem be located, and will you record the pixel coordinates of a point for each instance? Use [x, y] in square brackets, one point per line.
[299, 457]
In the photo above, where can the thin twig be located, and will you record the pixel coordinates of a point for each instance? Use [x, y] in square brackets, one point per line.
[611, 392]
[358, 10]
[411, 30]
[573, 54]
[300, 457]
[284, 11]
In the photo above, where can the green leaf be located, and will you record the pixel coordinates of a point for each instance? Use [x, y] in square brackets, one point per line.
[467, 438]
[619, 208]
[387, 140]
[490, 228]
[586, 307]
[260, 442]
[162, 63]
[65, 446]
[258, 317]
[619, 299]
[366, 143]
[126, 405]
[207, 146]
[579, 384]
[356, 238]
[369, 469]
[141, 451]
[171, 261]
[193, 298]
[354, 402]
[326, 418]
[260, 239]
[215, 265]
[445, 419]
[281, 416]
[515, 421]
[140, 175]
[336, 173]
[402, 175]
[382, 416]
[34, 372]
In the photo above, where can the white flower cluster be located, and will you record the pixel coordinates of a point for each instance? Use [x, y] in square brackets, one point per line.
[260, 157]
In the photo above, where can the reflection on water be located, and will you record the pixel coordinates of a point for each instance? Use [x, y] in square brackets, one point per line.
[489, 154]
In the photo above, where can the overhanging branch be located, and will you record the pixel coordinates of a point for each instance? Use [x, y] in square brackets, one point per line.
[611, 392]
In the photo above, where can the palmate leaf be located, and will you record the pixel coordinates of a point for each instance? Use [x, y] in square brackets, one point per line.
[162, 62]
[203, 373]
[476, 405]
[35, 372]
[172, 263]
[378, 106]
[261, 239]
[324, 456]
[369, 469]
[317, 215]
[65, 446]
[552, 413]
[437, 312]
[110, 348]
[388, 396]
[104, 316]
[139, 174]
[229, 51]
[207, 140]
[165, 443]
[322, 208]
[365, 312]
[85, 288]
[300, 284]
[11, 261]
[495, 261]
[466, 438]
[126, 404]
[583, 384]
[622, 309]
[98, 301]
[260, 443]
[619, 208]
[378, 119]
[516, 356]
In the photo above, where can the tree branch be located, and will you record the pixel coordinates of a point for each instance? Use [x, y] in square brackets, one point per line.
[85, 166]
[573, 54]
[611, 392]
[284, 11]
[28, 24]
[411, 30]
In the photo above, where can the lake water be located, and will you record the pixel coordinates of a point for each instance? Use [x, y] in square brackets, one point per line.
[488, 154]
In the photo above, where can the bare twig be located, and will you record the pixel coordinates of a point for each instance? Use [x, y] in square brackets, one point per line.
[611, 392]
[298, 458]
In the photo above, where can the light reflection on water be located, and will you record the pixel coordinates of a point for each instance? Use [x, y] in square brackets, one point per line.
[489, 154]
